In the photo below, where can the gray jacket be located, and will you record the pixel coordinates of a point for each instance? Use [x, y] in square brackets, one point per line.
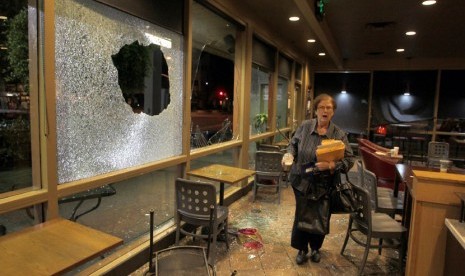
[303, 147]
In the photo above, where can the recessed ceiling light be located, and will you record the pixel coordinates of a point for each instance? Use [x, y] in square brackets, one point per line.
[400, 50]
[321, 54]
[294, 18]
[343, 92]
[428, 2]
[406, 93]
[311, 41]
[411, 33]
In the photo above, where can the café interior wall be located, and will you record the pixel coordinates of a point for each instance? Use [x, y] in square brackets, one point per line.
[97, 131]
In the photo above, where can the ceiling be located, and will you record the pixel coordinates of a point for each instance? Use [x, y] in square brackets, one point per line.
[366, 33]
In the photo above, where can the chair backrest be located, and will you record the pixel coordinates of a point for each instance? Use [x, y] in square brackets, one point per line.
[438, 150]
[194, 199]
[268, 162]
[370, 183]
[362, 215]
[268, 147]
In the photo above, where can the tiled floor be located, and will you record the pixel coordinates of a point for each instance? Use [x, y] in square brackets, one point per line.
[277, 257]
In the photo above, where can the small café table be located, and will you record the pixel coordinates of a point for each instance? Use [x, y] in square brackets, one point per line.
[52, 248]
[223, 174]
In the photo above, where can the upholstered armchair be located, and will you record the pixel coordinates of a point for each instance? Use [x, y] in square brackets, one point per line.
[383, 167]
[362, 142]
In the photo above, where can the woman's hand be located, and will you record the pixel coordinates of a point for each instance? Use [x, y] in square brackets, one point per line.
[324, 166]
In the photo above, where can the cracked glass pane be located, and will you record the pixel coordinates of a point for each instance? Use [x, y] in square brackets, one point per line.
[97, 130]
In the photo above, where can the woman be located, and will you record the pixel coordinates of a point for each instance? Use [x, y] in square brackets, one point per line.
[302, 149]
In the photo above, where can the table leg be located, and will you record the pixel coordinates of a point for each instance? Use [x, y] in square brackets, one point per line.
[397, 180]
[221, 193]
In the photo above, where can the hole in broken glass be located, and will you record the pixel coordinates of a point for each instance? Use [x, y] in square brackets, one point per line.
[143, 77]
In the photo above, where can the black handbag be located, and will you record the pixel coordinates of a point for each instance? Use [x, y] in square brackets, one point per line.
[313, 214]
[313, 209]
[342, 197]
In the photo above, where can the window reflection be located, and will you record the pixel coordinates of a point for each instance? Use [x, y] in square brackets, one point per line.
[259, 98]
[122, 212]
[15, 130]
[283, 106]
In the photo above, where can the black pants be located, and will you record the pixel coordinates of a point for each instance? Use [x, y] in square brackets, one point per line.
[301, 239]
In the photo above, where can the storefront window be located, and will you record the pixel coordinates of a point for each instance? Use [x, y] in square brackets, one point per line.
[100, 127]
[16, 220]
[213, 87]
[124, 207]
[451, 97]
[351, 92]
[18, 98]
[283, 105]
[259, 98]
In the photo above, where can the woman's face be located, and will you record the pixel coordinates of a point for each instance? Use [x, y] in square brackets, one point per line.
[324, 112]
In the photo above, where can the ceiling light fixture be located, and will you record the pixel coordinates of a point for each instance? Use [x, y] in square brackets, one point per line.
[428, 2]
[343, 92]
[411, 33]
[311, 40]
[294, 18]
[400, 50]
[406, 94]
[321, 54]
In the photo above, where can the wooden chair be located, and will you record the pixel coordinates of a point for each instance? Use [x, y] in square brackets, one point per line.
[374, 226]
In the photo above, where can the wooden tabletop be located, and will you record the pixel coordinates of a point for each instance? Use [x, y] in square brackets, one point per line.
[52, 248]
[222, 173]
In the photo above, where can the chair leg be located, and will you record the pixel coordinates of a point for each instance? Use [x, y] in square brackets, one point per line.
[226, 233]
[380, 246]
[402, 254]
[278, 189]
[255, 188]
[365, 255]
[178, 225]
[347, 236]
[213, 244]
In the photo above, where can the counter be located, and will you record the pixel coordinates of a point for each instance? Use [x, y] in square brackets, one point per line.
[433, 200]
[455, 248]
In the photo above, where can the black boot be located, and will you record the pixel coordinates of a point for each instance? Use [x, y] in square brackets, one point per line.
[301, 257]
[315, 256]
